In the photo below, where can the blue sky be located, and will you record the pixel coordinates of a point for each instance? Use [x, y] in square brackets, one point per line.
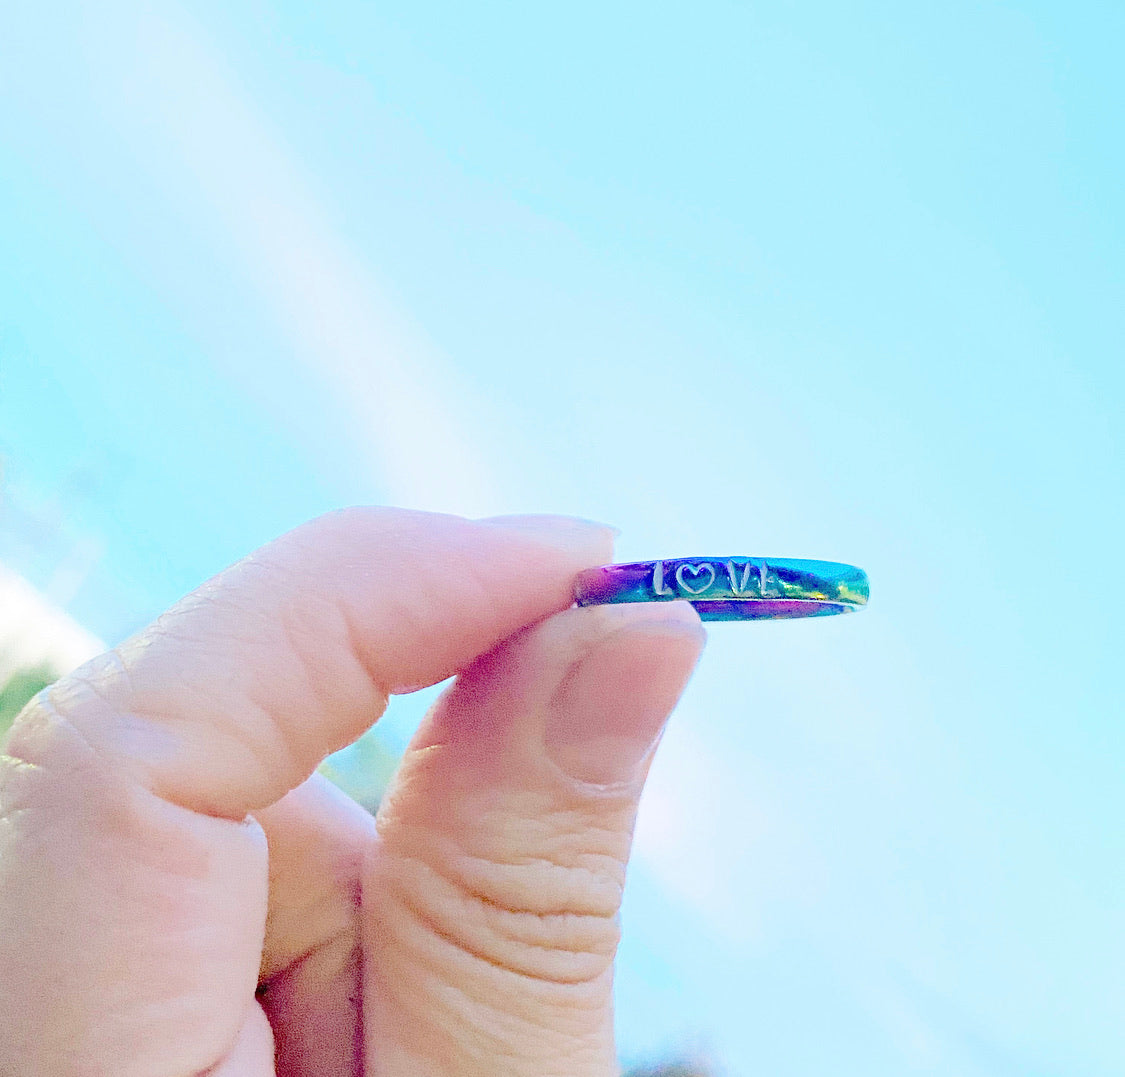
[835, 281]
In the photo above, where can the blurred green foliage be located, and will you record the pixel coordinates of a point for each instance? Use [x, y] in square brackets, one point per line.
[19, 688]
[363, 770]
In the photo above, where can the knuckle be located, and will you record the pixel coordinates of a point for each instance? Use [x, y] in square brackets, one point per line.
[43, 740]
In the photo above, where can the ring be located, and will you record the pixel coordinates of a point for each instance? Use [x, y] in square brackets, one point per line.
[730, 588]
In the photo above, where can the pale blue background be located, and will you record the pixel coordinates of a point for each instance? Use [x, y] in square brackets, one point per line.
[828, 280]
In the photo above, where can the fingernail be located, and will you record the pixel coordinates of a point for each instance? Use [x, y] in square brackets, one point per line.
[611, 706]
[567, 532]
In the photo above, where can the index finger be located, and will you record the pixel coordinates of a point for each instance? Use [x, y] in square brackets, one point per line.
[235, 695]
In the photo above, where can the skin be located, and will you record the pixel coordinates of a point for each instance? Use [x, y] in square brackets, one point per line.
[181, 894]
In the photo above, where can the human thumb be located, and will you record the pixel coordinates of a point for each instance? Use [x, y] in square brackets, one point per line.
[491, 898]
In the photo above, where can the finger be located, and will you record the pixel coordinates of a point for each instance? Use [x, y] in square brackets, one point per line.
[132, 886]
[310, 979]
[130, 928]
[318, 837]
[232, 697]
[253, 1052]
[491, 899]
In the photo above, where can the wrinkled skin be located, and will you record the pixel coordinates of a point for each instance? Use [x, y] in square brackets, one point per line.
[181, 893]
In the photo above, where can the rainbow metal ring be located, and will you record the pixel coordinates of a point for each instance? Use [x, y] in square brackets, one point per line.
[730, 588]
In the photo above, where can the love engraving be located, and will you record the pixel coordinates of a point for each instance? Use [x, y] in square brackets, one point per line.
[748, 579]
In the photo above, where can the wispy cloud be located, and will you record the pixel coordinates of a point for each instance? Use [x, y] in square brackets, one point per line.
[35, 632]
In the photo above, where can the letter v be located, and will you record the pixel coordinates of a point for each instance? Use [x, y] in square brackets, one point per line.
[739, 587]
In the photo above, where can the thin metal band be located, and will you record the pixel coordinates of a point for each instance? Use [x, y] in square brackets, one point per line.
[730, 588]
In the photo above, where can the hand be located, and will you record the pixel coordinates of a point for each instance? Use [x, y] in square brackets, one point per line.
[181, 894]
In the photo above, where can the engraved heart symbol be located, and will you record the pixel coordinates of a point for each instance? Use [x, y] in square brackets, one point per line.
[697, 571]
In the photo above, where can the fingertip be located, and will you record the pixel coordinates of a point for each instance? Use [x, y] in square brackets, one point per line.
[590, 540]
[611, 677]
